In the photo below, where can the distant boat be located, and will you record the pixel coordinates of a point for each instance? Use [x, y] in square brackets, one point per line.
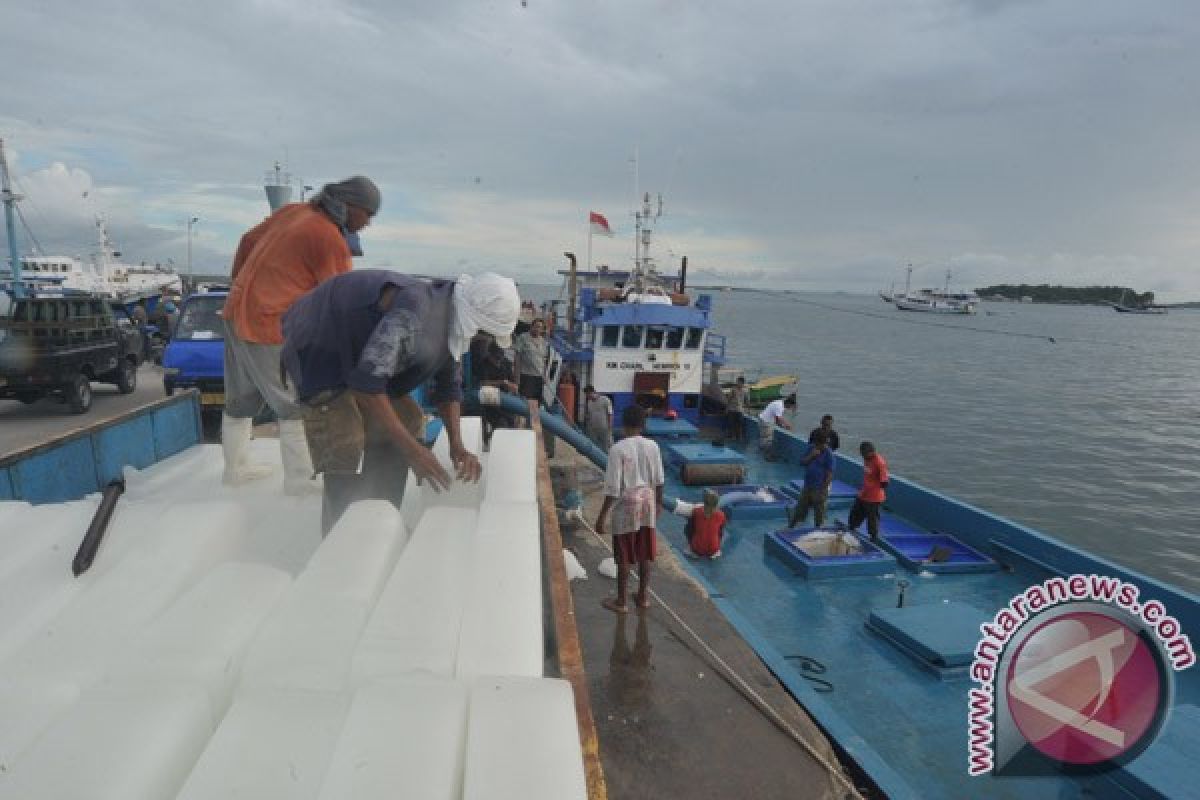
[1123, 308]
[937, 301]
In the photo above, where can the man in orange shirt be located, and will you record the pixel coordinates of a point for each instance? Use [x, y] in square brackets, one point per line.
[287, 255]
[871, 496]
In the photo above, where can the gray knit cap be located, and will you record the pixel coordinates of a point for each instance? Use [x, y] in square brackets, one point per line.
[357, 191]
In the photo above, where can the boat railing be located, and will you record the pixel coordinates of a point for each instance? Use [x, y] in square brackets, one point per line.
[714, 348]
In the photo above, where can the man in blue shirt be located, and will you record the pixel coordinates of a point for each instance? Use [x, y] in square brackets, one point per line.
[818, 475]
[357, 345]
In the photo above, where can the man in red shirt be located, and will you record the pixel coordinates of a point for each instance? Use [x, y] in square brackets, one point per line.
[871, 495]
[287, 255]
[705, 524]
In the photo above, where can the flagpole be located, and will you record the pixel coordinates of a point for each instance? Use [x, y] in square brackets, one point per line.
[589, 261]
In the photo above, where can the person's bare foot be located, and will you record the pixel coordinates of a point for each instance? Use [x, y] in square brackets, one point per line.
[612, 605]
[642, 603]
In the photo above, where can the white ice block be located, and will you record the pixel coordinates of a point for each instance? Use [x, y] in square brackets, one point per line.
[358, 555]
[272, 745]
[307, 643]
[404, 738]
[502, 624]
[137, 741]
[203, 636]
[35, 580]
[461, 494]
[522, 741]
[412, 507]
[510, 520]
[309, 640]
[27, 708]
[415, 626]
[512, 467]
[101, 620]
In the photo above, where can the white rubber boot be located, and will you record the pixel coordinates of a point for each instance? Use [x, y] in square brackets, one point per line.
[235, 442]
[297, 464]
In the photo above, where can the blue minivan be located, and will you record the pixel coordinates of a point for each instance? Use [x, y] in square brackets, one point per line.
[195, 356]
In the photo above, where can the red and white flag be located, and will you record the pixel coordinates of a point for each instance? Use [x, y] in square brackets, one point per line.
[599, 224]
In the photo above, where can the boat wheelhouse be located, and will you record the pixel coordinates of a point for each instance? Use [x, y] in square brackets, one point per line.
[638, 336]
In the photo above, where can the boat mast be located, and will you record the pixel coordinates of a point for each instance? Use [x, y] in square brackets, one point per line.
[10, 209]
[908, 282]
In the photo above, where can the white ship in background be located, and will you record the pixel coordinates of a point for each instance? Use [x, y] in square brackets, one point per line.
[103, 273]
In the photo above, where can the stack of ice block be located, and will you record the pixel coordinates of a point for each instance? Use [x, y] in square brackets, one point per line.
[189, 663]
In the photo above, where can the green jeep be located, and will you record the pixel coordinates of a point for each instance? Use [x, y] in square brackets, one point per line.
[59, 345]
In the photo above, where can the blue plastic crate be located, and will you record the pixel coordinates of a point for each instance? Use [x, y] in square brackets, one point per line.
[871, 561]
[914, 549]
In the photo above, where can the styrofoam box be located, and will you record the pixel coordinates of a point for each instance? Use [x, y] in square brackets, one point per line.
[522, 741]
[403, 738]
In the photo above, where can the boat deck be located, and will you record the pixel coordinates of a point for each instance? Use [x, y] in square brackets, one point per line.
[904, 723]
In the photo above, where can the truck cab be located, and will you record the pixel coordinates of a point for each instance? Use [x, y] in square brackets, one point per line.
[58, 345]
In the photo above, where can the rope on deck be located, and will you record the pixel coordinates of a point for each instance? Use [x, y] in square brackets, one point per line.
[735, 680]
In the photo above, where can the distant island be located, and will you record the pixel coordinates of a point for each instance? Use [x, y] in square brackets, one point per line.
[1076, 295]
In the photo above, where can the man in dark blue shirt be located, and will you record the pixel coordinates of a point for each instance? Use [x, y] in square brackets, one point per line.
[818, 475]
[831, 436]
[356, 347]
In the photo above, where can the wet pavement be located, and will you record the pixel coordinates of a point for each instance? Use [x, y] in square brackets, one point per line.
[669, 724]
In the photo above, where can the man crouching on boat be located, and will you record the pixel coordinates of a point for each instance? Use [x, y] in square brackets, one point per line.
[633, 489]
[357, 345]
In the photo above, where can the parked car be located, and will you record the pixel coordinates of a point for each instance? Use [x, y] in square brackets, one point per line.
[57, 346]
[195, 355]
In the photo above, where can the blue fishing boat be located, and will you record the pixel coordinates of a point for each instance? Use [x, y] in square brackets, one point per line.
[638, 336]
[898, 630]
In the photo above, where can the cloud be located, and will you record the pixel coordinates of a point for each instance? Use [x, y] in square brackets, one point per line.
[822, 143]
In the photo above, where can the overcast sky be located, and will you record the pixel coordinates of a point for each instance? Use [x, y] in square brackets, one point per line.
[820, 145]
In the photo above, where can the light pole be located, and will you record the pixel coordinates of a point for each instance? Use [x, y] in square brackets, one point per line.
[190, 223]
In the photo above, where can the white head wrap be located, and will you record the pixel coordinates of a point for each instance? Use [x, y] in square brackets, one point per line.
[488, 303]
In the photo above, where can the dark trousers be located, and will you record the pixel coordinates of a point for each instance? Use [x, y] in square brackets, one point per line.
[384, 476]
[870, 512]
[342, 436]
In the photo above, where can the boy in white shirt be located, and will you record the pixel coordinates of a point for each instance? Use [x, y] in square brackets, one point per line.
[633, 489]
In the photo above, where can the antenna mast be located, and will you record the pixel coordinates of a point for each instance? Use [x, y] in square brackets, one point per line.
[10, 208]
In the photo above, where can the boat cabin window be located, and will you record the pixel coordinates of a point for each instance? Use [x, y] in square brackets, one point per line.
[610, 335]
[632, 336]
[654, 338]
[694, 337]
[675, 338]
